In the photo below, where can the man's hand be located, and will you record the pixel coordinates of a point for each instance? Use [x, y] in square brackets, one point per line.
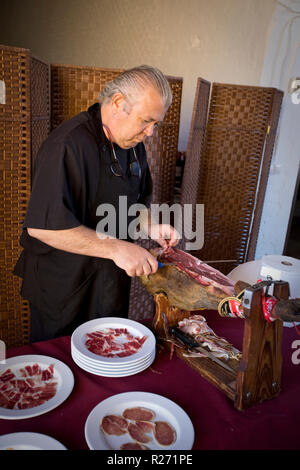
[134, 259]
[165, 235]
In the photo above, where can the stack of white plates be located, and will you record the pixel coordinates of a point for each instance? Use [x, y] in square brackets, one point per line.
[112, 366]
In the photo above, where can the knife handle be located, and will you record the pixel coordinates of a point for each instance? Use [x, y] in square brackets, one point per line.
[183, 337]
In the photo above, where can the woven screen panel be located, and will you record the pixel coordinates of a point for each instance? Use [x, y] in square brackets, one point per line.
[192, 167]
[234, 168]
[40, 104]
[266, 164]
[74, 89]
[14, 188]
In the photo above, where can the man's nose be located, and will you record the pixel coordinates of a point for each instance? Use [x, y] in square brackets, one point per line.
[149, 129]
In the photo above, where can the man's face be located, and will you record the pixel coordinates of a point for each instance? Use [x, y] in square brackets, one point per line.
[133, 123]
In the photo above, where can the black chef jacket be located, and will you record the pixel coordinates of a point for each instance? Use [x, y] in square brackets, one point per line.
[72, 178]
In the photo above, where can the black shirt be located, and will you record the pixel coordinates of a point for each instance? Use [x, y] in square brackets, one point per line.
[72, 178]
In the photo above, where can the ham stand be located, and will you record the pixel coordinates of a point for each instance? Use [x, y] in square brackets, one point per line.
[257, 376]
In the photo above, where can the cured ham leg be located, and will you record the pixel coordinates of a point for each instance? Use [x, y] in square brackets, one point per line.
[188, 283]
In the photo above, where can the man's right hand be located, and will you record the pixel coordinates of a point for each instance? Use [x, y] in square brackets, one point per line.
[134, 259]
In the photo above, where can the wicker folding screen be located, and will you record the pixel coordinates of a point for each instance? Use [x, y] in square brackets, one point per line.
[232, 170]
[40, 104]
[74, 89]
[192, 168]
[19, 72]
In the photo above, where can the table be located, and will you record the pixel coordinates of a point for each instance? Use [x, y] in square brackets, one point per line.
[274, 424]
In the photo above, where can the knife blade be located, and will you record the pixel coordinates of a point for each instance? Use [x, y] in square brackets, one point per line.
[194, 345]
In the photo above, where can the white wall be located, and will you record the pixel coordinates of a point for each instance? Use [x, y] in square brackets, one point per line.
[282, 62]
[219, 40]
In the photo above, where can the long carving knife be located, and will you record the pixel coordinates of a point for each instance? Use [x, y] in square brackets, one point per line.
[194, 345]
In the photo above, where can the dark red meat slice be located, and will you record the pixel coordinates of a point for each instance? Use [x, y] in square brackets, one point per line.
[6, 376]
[138, 431]
[133, 446]
[139, 414]
[114, 425]
[164, 433]
[47, 374]
[145, 426]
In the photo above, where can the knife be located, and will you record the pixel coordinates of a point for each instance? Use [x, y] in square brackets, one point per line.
[161, 265]
[194, 345]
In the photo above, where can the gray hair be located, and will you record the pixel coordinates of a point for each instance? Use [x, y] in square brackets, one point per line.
[133, 82]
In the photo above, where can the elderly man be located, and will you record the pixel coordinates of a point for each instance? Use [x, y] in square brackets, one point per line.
[71, 273]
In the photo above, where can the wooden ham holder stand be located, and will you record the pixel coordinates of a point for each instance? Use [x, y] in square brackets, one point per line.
[257, 376]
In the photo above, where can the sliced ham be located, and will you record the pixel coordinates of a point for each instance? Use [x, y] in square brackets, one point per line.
[138, 423]
[164, 433]
[113, 342]
[138, 431]
[28, 387]
[114, 425]
[139, 414]
[133, 446]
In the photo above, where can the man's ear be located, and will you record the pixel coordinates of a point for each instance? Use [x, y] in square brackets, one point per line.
[118, 103]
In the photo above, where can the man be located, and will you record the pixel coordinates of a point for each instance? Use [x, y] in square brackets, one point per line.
[71, 273]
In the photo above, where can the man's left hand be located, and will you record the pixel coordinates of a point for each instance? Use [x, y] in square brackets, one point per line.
[165, 235]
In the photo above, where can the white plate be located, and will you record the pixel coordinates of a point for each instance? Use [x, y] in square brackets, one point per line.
[78, 339]
[165, 410]
[62, 373]
[106, 373]
[112, 368]
[29, 441]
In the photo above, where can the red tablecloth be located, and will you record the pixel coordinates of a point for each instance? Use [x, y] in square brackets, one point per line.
[273, 424]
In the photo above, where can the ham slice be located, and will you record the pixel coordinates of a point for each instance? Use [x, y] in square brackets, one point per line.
[139, 430]
[164, 433]
[139, 414]
[133, 446]
[114, 425]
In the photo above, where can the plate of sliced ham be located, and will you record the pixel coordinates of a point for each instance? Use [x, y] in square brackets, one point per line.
[138, 421]
[32, 385]
[113, 347]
